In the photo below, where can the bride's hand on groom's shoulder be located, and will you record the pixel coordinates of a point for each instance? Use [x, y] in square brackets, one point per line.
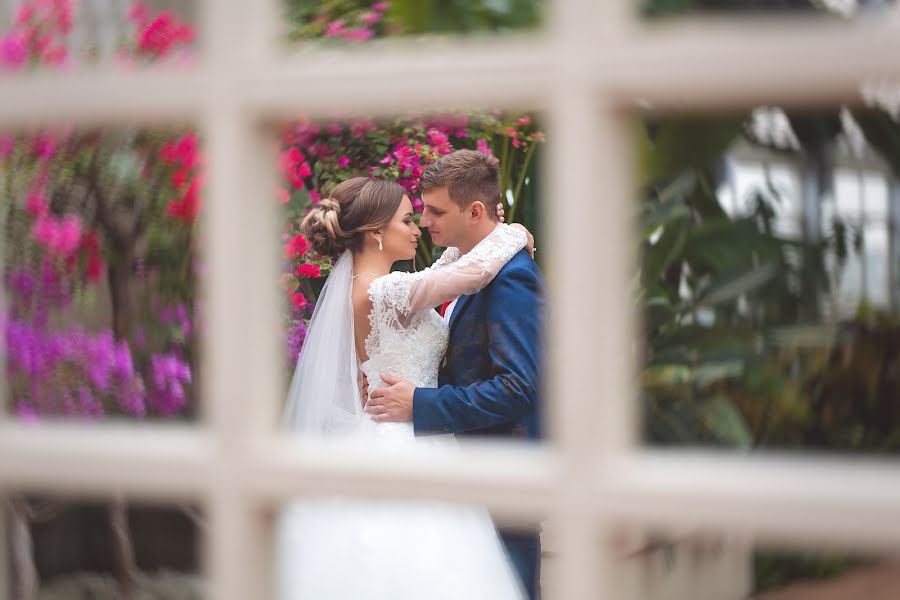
[391, 404]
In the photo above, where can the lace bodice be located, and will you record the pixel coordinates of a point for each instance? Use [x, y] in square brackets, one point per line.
[408, 338]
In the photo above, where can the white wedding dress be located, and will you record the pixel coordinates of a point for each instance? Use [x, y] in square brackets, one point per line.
[358, 549]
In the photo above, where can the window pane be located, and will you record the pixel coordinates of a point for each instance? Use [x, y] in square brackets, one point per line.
[101, 267]
[360, 21]
[764, 281]
[68, 548]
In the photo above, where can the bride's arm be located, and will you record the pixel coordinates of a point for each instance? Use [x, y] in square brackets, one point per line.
[447, 257]
[408, 293]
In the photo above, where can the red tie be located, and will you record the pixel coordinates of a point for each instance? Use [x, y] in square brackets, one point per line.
[444, 306]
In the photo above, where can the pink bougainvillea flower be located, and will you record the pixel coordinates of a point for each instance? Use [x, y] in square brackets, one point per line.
[138, 12]
[296, 247]
[359, 34]
[308, 271]
[179, 178]
[370, 18]
[483, 147]
[7, 144]
[13, 51]
[335, 28]
[526, 120]
[163, 34]
[343, 161]
[381, 6]
[36, 204]
[45, 146]
[314, 196]
[298, 300]
[289, 159]
[511, 132]
[69, 235]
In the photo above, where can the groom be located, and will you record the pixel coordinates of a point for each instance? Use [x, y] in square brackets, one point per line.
[490, 381]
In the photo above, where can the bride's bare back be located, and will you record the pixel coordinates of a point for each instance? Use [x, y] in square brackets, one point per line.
[362, 307]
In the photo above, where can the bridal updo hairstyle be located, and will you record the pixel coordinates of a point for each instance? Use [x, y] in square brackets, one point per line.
[354, 208]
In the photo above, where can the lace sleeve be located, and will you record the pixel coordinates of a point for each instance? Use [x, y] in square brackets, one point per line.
[399, 295]
[448, 256]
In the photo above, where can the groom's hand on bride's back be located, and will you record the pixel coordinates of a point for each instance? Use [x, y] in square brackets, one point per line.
[393, 403]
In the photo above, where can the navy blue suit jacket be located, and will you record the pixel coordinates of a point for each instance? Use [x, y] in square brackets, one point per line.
[490, 382]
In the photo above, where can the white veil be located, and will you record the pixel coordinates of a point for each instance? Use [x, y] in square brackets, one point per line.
[324, 395]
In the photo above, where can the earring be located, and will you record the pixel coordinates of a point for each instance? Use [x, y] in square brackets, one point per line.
[380, 246]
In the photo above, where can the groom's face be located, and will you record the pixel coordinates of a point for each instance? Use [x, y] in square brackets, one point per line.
[443, 218]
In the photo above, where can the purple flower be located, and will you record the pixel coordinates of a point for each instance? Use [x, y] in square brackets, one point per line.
[170, 373]
[26, 412]
[295, 337]
[90, 406]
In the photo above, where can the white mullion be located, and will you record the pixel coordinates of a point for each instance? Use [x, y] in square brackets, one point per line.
[855, 503]
[571, 322]
[260, 32]
[518, 483]
[103, 460]
[103, 96]
[688, 65]
[400, 77]
[5, 579]
[229, 546]
[703, 64]
[584, 163]
[229, 375]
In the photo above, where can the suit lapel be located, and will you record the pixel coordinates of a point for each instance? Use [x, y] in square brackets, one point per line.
[461, 305]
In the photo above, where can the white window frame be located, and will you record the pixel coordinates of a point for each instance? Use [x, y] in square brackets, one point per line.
[588, 69]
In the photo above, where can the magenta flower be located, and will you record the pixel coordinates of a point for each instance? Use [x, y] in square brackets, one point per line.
[334, 29]
[13, 51]
[381, 6]
[69, 235]
[36, 204]
[45, 146]
[483, 147]
[359, 34]
[343, 161]
[370, 18]
[26, 412]
[7, 144]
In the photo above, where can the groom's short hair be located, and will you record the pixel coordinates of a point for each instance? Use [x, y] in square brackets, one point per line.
[469, 176]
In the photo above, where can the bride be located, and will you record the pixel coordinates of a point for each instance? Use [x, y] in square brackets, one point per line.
[373, 321]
